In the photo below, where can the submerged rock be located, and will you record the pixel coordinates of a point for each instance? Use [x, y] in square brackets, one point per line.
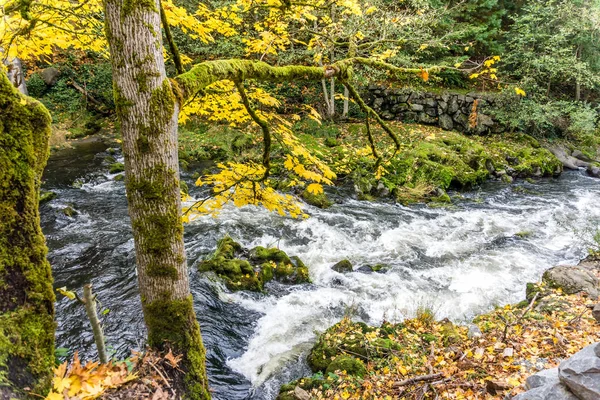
[593, 170]
[46, 196]
[116, 168]
[263, 265]
[342, 266]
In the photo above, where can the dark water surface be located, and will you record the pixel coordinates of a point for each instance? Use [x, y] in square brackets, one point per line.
[458, 260]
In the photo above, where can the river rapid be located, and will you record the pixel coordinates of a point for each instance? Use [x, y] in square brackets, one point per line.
[458, 261]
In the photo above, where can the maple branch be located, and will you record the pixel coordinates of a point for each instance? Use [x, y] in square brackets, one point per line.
[203, 74]
[172, 45]
[369, 111]
[264, 126]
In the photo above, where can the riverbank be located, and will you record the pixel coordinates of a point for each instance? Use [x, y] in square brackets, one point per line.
[490, 358]
[428, 163]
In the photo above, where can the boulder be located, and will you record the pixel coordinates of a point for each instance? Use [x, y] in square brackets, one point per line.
[555, 391]
[566, 159]
[342, 266]
[596, 312]
[579, 155]
[572, 279]
[50, 75]
[593, 170]
[543, 378]
[581, 373]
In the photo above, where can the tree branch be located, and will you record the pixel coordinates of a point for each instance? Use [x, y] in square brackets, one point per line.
[203, 74]
[369, 111]
[171, 41]
[264, 126]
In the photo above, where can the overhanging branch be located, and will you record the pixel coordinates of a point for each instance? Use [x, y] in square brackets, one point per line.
[206, 73]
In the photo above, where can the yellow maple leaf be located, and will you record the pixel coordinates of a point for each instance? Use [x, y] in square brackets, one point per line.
[315, 188]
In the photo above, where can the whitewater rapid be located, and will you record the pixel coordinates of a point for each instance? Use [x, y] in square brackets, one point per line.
[457, 261]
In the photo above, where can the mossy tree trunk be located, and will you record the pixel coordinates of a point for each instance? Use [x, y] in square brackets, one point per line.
[147, 110]
[26, 296]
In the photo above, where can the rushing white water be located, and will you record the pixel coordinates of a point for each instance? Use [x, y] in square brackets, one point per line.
[457, 261]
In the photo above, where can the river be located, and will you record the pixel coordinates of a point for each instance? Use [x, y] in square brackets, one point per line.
[457, 260]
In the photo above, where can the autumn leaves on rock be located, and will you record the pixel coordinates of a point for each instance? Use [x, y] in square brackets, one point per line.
[26, 296]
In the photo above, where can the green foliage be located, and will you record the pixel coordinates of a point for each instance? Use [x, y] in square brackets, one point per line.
[551, 118]
[552, 45]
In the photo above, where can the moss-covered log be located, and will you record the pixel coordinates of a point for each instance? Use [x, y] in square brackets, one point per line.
[26, 296]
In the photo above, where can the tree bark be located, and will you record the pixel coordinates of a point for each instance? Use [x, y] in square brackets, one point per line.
[15, 74]
[147, 108]
[26, 295]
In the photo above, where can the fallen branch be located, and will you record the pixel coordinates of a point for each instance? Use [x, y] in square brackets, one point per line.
[422, 378]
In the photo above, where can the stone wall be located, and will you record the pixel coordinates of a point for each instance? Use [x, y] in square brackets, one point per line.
[446, 110]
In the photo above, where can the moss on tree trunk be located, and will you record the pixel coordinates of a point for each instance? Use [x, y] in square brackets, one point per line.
[26, 295]
[147, 108]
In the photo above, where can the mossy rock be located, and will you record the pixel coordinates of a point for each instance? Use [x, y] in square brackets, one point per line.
[351, 365]
[288, 273]
[227, 247]
[328, 347]
[69, 211]
[119, 177]
[183, 186]
[116, 168]
[263, 266]
[379, 268]
[297, 262]
[343, 266]
[450, 333]
[46, 196]
[318, 200]
[262, 254]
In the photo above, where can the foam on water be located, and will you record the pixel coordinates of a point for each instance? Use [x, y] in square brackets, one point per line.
[455, 261]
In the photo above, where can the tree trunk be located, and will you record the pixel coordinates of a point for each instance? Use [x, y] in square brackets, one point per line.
[577, 84]
[147, 109]
[15, 74]
[26, 295]
[346, 103]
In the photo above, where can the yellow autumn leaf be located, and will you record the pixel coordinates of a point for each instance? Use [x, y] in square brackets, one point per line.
[314, 188]
[68, 293]
[520, 92]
